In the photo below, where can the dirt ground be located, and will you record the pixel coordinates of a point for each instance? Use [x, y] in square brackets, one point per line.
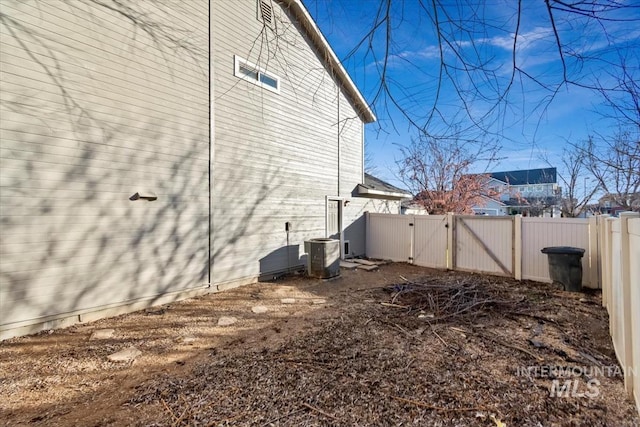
[402, 345]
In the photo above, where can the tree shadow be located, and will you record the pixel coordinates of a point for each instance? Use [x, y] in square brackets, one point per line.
[90, 133]
[289, 255]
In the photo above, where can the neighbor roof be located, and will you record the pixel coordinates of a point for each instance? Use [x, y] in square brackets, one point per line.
[527, 176]
[376, 188]
[315, 35]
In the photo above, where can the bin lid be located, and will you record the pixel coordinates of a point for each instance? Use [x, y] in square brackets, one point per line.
[564, 250]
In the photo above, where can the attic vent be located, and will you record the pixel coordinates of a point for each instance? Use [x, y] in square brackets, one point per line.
[265, 12]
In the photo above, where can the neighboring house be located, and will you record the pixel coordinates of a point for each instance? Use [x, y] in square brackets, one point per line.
[533, 192]
[495, 202]
[179, 148]
[411, 207]
[492, 206]
[499, 190]
[607, 204]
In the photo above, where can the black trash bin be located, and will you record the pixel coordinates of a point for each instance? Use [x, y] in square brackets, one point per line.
[565, 266]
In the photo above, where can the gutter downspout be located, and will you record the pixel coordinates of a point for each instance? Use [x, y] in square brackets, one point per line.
[212, 134]
[362, 149]
[338, 126]
[340, 201]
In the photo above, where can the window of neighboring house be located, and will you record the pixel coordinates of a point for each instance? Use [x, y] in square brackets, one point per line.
[254, 74]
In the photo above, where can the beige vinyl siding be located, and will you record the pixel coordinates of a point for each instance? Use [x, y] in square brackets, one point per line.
[93, 110]
[350, 148]
[350, 175]
[276, 154]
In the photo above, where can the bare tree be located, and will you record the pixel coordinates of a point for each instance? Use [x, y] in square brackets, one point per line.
[615, 165]
[369, 161]
[486, 64]
[437, 173]
[622, 104]
[622, 94]
[578, 185]
[614, 160]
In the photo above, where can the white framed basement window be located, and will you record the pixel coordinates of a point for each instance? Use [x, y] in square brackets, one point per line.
[254, 74]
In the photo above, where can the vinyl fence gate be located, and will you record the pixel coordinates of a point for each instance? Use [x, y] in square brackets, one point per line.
[499, 245]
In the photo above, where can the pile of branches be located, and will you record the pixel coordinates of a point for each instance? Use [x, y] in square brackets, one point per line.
[459, 297]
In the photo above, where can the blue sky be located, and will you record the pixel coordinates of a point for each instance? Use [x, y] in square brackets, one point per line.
[530, 123]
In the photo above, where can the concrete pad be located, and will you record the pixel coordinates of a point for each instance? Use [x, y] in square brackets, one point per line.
[259, 309]
[368, 267]
[127, 355]
[288, 300]
[227, 321]
[102, 334]
[348, 265]
[319, 301]
[365, 261]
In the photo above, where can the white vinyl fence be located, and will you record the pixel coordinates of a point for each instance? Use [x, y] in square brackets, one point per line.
[621, 293]
[510, 246]
[429, 231]
[485, 246]
[395, 231]
[507, 246]
[538, 233]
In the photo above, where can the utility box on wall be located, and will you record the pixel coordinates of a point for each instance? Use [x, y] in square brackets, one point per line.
[324, 258]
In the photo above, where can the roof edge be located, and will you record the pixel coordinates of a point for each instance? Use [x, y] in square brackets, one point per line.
[363, 191]
[307, 22]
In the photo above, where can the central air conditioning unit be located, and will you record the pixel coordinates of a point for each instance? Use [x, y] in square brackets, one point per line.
[324, 258]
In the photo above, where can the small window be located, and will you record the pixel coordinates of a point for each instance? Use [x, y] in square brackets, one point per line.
[246, 71]
[252, 73]
[269, 81]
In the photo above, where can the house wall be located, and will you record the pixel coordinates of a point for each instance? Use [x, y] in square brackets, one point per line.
[277, 155]
[95, 107]
[536, 190]
[99, 104]
[415, 210]
[490, 207]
